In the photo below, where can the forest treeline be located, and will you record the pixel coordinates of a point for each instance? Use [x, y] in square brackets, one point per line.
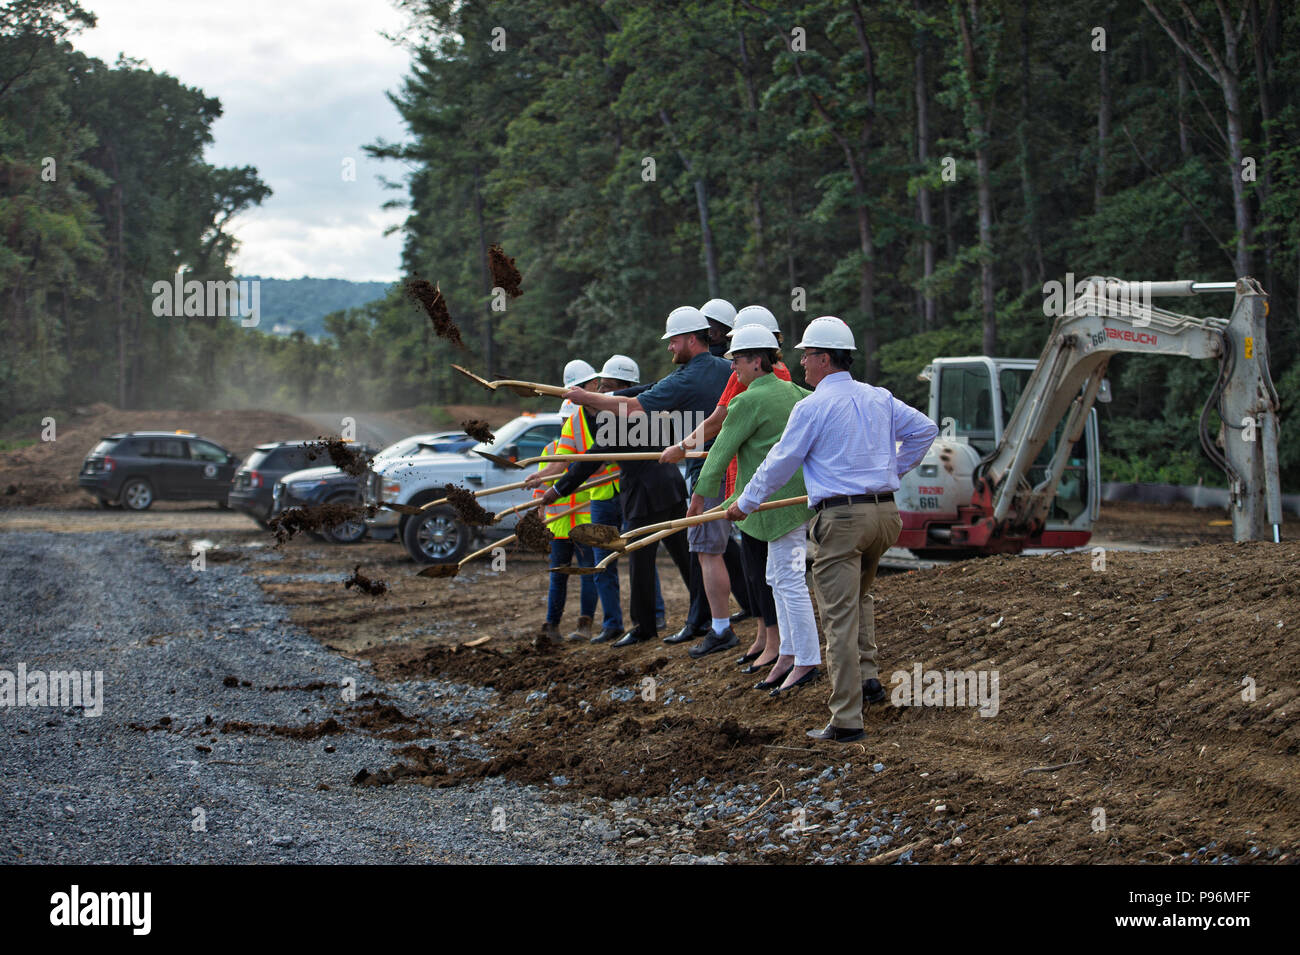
[920, 168]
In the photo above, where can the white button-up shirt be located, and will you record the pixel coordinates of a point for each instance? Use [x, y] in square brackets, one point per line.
[844, 435]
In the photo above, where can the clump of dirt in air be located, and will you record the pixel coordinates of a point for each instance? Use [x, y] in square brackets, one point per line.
[365, 584]
[345, 457]
[319, 517]
[468, 509]
[532, 533]
[504, 273]
[478, 430]
[430, 298]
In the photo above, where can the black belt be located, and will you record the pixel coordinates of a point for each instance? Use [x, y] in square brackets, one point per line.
[885, 498]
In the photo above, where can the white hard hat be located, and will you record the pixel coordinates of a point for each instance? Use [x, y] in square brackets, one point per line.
[685, 319]
[720, 310]
[827, 332]
[756, 315]
[751, 336]
[568, 409]
[622, 368]
[578, 372]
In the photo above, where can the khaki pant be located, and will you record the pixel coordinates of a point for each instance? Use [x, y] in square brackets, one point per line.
[850, 541]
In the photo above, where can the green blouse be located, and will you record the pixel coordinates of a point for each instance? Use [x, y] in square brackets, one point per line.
[755, 421]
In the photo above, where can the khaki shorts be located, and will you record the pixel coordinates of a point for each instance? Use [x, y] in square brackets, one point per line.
[710, 537]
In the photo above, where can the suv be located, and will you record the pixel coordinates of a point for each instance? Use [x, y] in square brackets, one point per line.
[321, 486]
[438, 536]
[251, 492]
[139, 467]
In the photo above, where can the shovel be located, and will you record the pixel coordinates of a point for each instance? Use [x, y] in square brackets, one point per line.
[451, 570]
[711, 515]
[650, 539]
[601, 456]
[607, 537]
[408, 509]
[613, 476]
[527, 389]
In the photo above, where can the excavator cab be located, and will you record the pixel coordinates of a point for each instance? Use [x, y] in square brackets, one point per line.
[972, 398]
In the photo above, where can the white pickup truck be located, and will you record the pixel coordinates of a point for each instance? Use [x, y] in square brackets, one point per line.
[438, 536]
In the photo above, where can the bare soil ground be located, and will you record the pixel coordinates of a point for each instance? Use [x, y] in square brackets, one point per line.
[1125, 690]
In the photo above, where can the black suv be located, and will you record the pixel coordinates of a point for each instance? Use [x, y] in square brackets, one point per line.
[139, 467]
[256, 477]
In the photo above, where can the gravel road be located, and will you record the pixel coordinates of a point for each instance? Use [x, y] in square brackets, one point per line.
[76, 788]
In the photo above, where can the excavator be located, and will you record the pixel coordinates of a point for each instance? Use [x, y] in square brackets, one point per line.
[1016, 463]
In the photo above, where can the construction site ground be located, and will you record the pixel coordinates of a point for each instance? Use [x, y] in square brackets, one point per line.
[1146, 711]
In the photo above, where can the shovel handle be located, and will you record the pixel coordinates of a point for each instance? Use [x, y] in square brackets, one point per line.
[608, 456]
[606, 479]
[715, 514]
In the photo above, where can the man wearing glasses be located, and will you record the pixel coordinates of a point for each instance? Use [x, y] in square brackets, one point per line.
[844, 436]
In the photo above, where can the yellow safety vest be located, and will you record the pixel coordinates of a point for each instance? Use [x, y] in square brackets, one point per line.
[582, 444]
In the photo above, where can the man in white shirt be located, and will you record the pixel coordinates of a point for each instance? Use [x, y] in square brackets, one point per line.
[844, 436]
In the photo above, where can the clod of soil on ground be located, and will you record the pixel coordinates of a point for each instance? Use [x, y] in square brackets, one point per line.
[430, 298]
[342, 454]
[468, 509]
[365, 584]
[504, 273]
[316, 517]
[532, 533]
[478, 429]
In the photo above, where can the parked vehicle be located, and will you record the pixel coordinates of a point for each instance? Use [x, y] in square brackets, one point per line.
[134, 469]
[438, 536]
[322, 485]
[256, 477]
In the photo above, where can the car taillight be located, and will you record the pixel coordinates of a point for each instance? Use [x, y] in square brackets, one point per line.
[109, 463]
[254, 479]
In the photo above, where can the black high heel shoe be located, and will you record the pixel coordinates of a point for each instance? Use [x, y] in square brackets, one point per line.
[808, 677]
[774, 682]
[755, 667]
[741, 661]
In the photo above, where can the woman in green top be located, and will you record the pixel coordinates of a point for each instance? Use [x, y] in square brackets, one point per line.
[754, 423]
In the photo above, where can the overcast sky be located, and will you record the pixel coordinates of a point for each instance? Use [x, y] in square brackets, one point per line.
[302, 85]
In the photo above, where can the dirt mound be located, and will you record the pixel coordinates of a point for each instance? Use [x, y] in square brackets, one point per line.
[45, 474]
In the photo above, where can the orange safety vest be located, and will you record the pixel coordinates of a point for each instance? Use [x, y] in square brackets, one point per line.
[561, 527]
[582, 444]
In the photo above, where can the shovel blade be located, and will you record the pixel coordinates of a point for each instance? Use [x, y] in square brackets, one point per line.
[440, 570]
[500, 461]
[604, 536]
[402, 508]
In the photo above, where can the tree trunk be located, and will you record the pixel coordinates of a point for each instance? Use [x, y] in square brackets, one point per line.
[928, 305]
[1262, 83]
[1033, 232]
[702, 204]
[756, 189]
[489, 351]
[1184, 142]
[984, 195]
[1103, 120]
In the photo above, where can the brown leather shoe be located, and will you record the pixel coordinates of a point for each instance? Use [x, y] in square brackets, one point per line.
[837, 734]
[584, 630]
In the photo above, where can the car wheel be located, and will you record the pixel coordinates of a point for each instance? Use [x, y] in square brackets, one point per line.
[436, 537]
[137, 494]
[349, 532]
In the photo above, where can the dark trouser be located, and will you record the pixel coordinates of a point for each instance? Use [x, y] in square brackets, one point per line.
[610, 512]
[700, 615]
[562, 551]
[753, 553]
[641, 568]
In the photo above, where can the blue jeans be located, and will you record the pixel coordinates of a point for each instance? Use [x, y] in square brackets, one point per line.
[611, 512]
[562, 551]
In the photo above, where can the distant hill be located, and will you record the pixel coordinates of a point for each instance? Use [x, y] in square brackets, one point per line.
[289, 305]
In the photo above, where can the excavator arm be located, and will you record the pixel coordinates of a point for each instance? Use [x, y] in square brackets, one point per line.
[1110, 316]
